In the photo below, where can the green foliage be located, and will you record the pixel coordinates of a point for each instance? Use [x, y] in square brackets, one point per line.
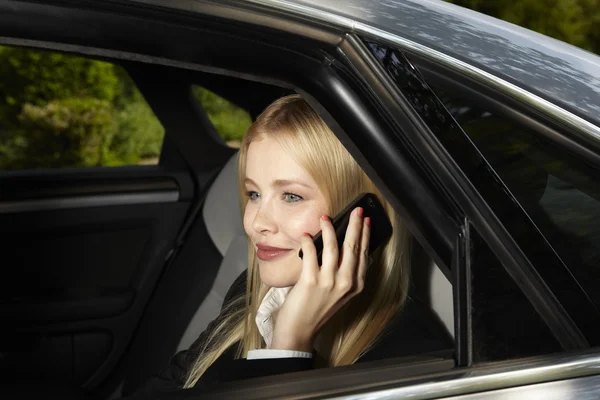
[140, 135]
[59, 110]
[573, 21]
[229, 120]
[36, 77]
[72, 132]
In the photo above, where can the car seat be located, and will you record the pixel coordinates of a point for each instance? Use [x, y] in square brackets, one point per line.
[221, 214]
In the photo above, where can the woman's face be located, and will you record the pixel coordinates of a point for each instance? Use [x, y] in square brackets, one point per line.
[283, 203]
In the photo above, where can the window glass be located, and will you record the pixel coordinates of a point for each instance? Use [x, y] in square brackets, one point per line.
[559, 192]
[230, 121]
[504, 323]
[64, 111]
[507, 158]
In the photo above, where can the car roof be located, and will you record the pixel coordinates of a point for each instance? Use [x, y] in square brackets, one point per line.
[556, 71]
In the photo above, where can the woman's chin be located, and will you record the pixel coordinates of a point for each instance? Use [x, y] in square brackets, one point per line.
[277, 277]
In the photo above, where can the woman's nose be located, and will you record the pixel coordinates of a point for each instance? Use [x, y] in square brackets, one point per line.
[264, 221]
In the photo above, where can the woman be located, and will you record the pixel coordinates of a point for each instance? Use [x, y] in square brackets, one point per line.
[290, 314]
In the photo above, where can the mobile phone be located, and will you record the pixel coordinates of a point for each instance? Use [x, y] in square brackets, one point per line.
[381, 227]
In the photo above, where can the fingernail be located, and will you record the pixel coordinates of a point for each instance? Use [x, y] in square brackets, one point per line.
[325, 218]
[359, 212]
[368, 221]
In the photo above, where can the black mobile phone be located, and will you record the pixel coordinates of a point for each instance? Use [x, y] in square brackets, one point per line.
[381, 227]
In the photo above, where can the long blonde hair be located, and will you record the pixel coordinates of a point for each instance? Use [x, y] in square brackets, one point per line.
[356, 327]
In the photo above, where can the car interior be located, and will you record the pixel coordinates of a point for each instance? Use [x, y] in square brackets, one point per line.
[114, 270]
[64, 253]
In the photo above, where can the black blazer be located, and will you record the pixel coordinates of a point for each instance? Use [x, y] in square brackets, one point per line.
[416, 330]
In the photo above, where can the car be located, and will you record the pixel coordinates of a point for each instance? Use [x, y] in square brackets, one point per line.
[484, 136]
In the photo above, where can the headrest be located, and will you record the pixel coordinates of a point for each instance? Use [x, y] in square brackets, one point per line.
[221, 210]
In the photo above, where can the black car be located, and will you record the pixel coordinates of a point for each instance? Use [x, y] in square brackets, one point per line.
[484, 136]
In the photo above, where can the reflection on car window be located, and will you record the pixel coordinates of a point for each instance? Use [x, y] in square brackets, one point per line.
[60, 111]
[559, 192]
[504, 323]
[575, 213]
[230, 121]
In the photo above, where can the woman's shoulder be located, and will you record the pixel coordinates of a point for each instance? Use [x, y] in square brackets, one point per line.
[237, 288]
[176, 372]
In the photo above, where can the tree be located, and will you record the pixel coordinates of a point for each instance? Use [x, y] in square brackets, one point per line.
[573, 21]
[230, 121]
[72, 132]
[60, 110]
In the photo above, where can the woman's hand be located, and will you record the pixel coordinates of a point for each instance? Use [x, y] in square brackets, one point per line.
[322, 291]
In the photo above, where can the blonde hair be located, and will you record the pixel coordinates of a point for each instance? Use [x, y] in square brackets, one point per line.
[356, 327]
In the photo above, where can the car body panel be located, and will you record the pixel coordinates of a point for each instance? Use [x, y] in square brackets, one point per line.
[557, 71]
[572, 376]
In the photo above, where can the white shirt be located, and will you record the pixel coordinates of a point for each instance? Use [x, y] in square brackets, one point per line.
[264, 322]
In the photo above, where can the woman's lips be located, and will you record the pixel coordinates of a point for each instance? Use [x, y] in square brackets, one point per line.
[267, 253]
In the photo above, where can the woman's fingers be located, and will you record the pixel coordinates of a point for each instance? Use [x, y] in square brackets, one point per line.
[351, 252]
[345, 273]
[321, 292]
[363, 262]
[310, 267]
[329, 264]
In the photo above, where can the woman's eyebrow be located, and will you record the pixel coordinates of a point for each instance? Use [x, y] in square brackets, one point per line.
[287, 182]
[280, 182]
[250, 181]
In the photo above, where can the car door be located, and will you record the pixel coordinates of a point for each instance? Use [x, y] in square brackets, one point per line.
[88, 231]
[501, 307]
[83, 246]
[519, 330]
[509, 305]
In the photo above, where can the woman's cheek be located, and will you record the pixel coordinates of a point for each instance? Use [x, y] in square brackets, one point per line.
[307, 221]
[248, 218]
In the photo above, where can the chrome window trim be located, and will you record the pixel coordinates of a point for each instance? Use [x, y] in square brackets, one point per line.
[492, 377]
[106, 200]
[580, 389]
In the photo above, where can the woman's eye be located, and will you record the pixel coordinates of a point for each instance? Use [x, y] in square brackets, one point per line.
[292, 198]
[252, 195]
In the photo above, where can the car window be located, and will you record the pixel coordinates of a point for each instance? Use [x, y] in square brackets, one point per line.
[230, 121]
[559, 192]
[65, 111]
[504, 323]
